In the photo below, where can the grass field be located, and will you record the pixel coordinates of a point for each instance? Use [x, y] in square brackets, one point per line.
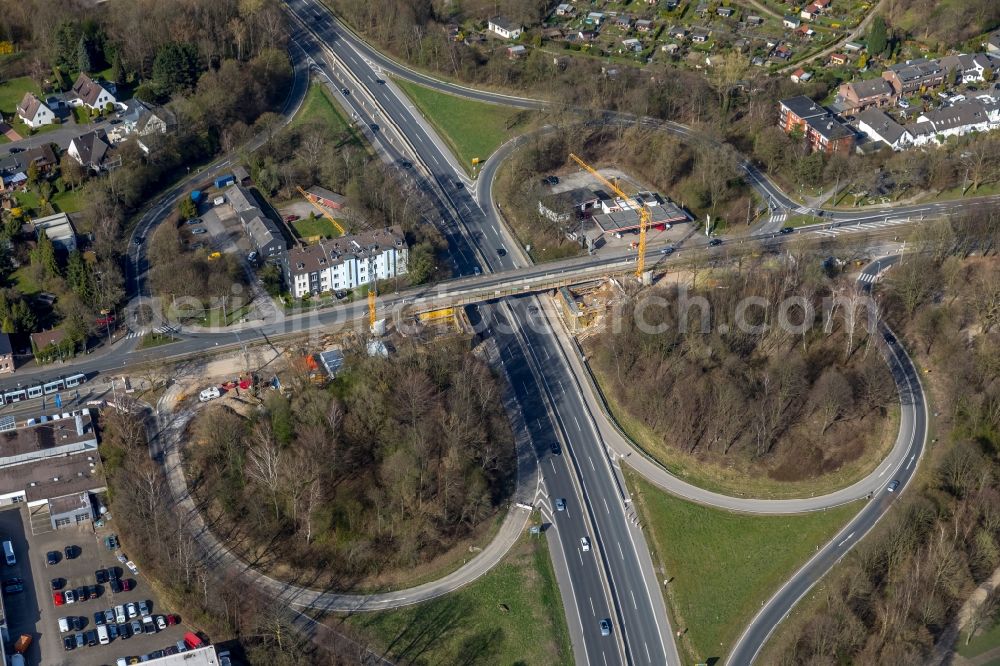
[472, 129]
[724, 565]
[64, 202]
[319, 106]
[12, 92]
[512, 615]
[155, 340]
[315, 226]
[984, 642]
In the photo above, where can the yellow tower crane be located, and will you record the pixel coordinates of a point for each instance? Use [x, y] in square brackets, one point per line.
[371, 307]
[644, 214]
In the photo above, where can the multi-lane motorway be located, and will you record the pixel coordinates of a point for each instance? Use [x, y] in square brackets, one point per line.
[613, 579]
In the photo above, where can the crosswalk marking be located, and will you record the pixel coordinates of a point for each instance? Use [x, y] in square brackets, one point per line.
[862, 226]
[162, 330]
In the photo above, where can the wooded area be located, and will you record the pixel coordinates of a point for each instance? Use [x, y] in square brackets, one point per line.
[902, 586]
[386, 468]
[787, 404]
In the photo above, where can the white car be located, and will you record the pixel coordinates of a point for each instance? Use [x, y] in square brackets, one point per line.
[132, 610]
[121, 557]
[120, 617]
[161, 622]
[63, 624]
[131, 567]
[585, 544]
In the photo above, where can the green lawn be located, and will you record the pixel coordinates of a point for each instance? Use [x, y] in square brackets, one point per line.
[12, 92]
[64, 202]
[155, 340]
[472, 129]
[21, 278]
[315, 226]
[319, 106]
[723, 565]
[512, 615]
[987, 640]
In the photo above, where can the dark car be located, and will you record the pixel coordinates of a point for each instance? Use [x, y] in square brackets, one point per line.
[99, 618]
[892, 486]
[115, 585]
[72, 552]
[94, 591]
[13, 586]
[101, 575]
[52, 557]
[138, 240]
[193, 221]
[787, 230]
[76, 622]
[91, 637]
[81, 594]
[550, 180]
[715, 242]
[555, 448]
[112, 631]
[667, 251]
[58, 583]
[459, 185]
[373, 127]
[605, 628]
[406, 164]
[381, 82]
[890, 338]
[135, 627]
[345, 91]
[69, 643]
[124, 631]
[501, 252]
[16, 149]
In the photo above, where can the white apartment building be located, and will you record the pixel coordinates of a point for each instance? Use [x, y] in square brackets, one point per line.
[347, 262]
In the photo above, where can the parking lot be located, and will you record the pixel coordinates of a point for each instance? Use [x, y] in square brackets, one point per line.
[33, 611]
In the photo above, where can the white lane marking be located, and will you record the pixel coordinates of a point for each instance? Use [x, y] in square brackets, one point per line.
[846, 539]
[592, 611]
[909, 464]
[606, 506]
[884, 470]
[591, 463]
[622, 553]
[648, 658]
[634, 605]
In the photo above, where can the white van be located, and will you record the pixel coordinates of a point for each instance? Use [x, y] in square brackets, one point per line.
[102, 634]
[210, 393]
[63, 624]
[8, 551]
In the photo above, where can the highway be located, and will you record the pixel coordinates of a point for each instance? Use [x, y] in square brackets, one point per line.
[615, 578]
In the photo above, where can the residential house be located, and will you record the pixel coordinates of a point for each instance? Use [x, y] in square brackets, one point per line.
[91, 94]
[505, 28]
[624, 21]
[861, 95]
[13, 173]
[783, 51]
[993, 42]
[838, 59]
[516, 51]
[59, 230]
[241, 175]
[46, 340]
[755, 20]
[701, 9]
[585, 36]
[791, 22]
[565, 10]
[700, 35]
[960, 119]
[92, 151]
[854, 47]
[725, 12]
[970, 68]
[878, 126]
[801, 76]
[804, 31]
[34, 112]
[262, 232]
[810, 11]
[677, 32]
[347, 262]
[633, 45]
[325, 197]
[594, 18]
[643, 25]
[818, 126]
[910, 76]
[43, 156]
[6, 355]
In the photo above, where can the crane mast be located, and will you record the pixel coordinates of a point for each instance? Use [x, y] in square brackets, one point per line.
[644, 214]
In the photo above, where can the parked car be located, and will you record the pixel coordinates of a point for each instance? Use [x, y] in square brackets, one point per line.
[124, 631]
[101, 575]
[144, 607]
[120, 614]
[16, 149]
[58, 599]
[63, 624]
[58, 583]
[122, 557]
[13, 586]
[211, 393]
[291, 218]
[111, 542]
[131, 567]
[52, 557]
[172, 620]
[199, 231]
[94, 591]
[99, 618]
[193, 221]
[148, 625]
[80, 639]
[161, 622]
[71, 552]
[115, 585]
[91, 637]
[128, 584]
[76, 622]
[69, 643]
[131, 609]
[109, 616]
[135, 627]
